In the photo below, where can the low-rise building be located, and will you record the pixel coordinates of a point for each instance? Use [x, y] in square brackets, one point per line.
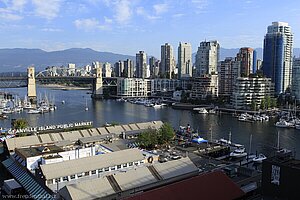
[133, 87]
[205, 86]
[251, 90]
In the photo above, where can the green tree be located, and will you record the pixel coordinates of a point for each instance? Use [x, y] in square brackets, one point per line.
[148, 139]
[19, 124]
[253, 105]
[273, 103]
[166, 133]
[263, 104]
[268, 101]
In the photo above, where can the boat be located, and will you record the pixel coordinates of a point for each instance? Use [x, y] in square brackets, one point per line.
[201, 110]
[86, 107]
[63, 102]
[259, 158]
[7, 111]
[283, 124]
[239, 153]
[157, 105]
[33, 111]
[212, 111]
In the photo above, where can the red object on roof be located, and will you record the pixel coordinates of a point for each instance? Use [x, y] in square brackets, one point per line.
[209, 186]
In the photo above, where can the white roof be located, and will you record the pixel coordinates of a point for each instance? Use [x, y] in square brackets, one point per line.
[70, 167]
[134, 178]
[18, 142]
[91, 189]
[175, 168]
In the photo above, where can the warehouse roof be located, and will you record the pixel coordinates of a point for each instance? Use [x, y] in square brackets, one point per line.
[70, 167]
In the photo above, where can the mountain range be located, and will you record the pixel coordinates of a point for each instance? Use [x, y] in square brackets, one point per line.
[18, 59]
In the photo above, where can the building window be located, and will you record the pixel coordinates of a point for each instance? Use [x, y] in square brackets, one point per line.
[87, 173]
[72, 176]
[118, 166]
[79, 175]
[65, 178]
[93, 172]
[106, 169]
[57, 180]
[100, 171]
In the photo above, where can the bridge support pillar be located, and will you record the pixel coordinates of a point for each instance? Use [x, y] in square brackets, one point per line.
[31, 87]
[98, 85]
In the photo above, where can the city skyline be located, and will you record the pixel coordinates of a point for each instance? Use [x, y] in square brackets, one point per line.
[129, 26]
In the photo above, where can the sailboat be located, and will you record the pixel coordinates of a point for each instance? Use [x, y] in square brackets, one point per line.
[86, 107]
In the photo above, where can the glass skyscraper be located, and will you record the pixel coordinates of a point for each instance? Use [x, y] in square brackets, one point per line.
[277, 58]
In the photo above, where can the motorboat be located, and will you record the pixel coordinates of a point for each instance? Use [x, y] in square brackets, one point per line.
[33, 111]
[238, 153]
[259, 158]
[201, 110]
[283, 124]
[157, 105]
[212, 111]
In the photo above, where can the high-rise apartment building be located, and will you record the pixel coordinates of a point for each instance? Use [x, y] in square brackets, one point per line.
[207, 58]
[152, 65]
[128, 68]
[277, 58]
[230, 70]
[141, 65]
[167, 61]
[185, 65]
[245, 56]
[119, 68]
[296, 79]
[107, 70]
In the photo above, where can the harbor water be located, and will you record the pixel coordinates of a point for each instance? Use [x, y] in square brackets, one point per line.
[264, 134]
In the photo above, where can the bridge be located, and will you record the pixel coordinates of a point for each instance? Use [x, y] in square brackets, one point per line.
[29, 81]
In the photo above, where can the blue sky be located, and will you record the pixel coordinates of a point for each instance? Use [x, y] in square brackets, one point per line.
[127, 26]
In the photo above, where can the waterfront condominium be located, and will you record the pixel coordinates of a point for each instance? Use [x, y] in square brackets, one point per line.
[167, 61]
[207, 58]
[230, 70]
[128, 68]
[119, 68]
[245, 56]
[277, 58]
[185, 65]
[296, 79]
[141, 65]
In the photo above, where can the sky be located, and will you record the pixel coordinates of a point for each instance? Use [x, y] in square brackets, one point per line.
[128, 26]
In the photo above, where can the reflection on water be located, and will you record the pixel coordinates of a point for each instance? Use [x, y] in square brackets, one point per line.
[264, 135]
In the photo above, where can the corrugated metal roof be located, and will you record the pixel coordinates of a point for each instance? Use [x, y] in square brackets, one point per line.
[134, 178]
[27, 180]
[91, 189]
[175, 168]
[80, 165]
[19, 142]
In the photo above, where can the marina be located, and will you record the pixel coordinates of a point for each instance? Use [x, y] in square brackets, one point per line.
[112, 111]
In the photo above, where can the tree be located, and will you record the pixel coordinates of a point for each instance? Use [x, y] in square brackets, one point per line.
[148, 139]
[273, 102]
[166, 133]
[19, 124]
[263, 104]
[253, 105]
[268, 101]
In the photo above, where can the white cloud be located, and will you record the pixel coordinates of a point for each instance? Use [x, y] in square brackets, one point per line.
[90, 24]
[200, 5]
[18, 5]
[178, 15]
[160, 8]
[47, 9]
[123, 11]
[7, 15]
[108, 20]
[142, 12]
[51, 30]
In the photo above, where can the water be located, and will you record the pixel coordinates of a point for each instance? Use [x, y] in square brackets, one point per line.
[264, 135]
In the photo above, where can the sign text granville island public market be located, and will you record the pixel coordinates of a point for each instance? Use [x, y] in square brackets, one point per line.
[53, 127]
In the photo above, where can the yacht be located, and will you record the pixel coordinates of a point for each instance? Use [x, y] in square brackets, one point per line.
[239, 153]
[201, 110]
[259, 158]
[33, 111]
[157, 105]
[283, 124]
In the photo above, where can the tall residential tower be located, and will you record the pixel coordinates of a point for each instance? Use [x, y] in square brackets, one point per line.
[277, 59]
[167, 61]
[207, 58]
[185, 65]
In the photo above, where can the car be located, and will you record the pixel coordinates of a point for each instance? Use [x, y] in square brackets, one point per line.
[175, 157]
